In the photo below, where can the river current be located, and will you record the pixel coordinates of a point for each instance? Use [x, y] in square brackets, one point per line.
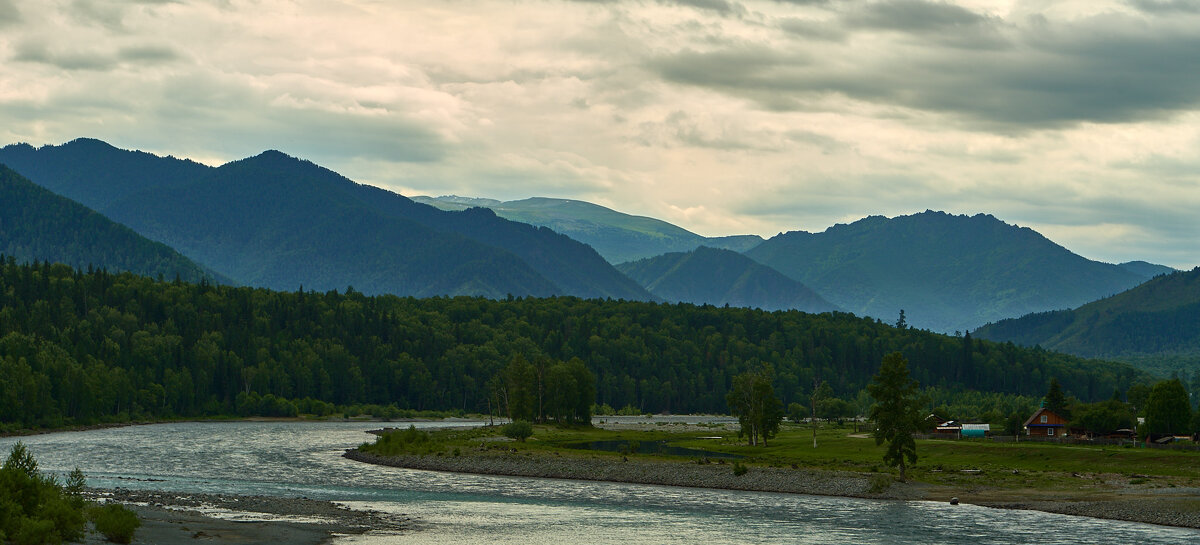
[304, 459]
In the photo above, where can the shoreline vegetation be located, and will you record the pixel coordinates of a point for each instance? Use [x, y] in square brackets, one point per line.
[1004, 476]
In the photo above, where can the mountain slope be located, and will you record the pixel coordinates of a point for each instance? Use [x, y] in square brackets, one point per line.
[617, 236]
[36, 224]
[279, 222]
[720, 277]
[946, 272]
[573, 266]
[95, 173]
[1158, 318]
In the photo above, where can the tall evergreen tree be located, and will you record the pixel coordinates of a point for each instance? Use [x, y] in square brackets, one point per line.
[896, 412]
[1056, 400]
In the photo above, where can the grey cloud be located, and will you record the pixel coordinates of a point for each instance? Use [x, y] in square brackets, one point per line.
[813, 30]
[208, 106]
[723, 7]
[913, 15]
[1166, 6]
[41, 53]
[147, 54]
[38, 52]
[939, 22]
[1099, 70]
[9, 14]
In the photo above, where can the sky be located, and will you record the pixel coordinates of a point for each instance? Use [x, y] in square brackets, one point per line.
[1079, 119]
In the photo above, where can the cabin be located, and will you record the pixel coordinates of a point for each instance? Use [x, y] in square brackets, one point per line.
[949, 429]
[976, 430]
[1046, 423]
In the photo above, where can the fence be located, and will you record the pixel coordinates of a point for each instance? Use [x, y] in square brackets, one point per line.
[1099, 441]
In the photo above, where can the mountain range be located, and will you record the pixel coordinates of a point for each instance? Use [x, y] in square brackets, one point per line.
[617, 236]
[38, 225]
[1155, 325]
[279, 222]
[722, 277]
[947, 272]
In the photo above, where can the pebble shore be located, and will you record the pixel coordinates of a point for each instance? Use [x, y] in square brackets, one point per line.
[645, 471]
[175, 518]
[1181, 508]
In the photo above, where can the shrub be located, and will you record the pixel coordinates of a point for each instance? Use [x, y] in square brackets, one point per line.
[115, 521]
[518, 429]
[36, 532]
[880, 482]
[740, 469]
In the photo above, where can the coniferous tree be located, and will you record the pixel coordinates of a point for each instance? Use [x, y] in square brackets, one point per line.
[896, 412]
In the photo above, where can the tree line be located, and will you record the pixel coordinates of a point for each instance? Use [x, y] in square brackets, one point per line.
[85, 346]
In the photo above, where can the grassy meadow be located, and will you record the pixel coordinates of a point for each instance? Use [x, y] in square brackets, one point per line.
[982, 466]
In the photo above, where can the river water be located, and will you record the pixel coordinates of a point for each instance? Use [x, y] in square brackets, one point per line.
[304, 459]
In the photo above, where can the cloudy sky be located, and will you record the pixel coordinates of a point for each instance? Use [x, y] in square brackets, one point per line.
[1080, 119]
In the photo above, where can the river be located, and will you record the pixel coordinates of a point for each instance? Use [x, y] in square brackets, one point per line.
[304, 459]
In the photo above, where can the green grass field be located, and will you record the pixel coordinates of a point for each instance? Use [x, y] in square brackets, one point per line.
[970, 464]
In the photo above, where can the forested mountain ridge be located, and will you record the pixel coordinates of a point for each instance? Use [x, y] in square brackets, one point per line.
[96, 174]
[946, 272]
[720, 277]
[79, 347]
[37, 225]
[276, 221]
[617, 236]
[1156, 324]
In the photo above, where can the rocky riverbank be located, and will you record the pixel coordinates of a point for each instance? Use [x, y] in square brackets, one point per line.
[1174, 508]
[174, 518]
[649, 471]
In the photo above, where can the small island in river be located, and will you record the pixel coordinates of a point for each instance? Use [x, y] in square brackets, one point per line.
[1110, 482]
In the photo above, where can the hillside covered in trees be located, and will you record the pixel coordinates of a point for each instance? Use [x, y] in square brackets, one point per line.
[948, 272]
[1155, 325]
[81, 347]
[36, 224]
[279, 222]
[722, 277]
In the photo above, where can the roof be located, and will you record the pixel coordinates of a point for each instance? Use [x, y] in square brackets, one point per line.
[1040, 412]
[978, 427]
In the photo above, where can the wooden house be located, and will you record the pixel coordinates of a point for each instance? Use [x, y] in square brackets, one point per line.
[1046, 423]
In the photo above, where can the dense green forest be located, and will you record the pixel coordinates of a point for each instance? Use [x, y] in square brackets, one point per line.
[38, 224]
[1154, 326]
[78, 347]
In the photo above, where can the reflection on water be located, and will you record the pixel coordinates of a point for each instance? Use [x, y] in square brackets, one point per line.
[304, 459]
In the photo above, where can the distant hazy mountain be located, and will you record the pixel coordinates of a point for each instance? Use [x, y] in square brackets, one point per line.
[1158, 320]
[36, 224]
[1147, 270]
[946, 272]
[618, 237]
[278, 222]
[719, 277]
